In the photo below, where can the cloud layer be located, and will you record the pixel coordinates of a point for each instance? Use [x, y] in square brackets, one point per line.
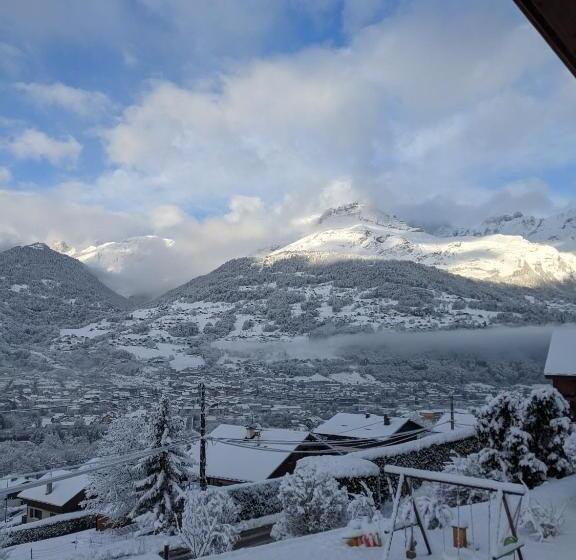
[247, 120]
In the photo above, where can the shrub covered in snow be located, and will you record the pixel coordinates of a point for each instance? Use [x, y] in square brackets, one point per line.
[545, 415]
[312, 501]
[524, 440]
[208, 522]
[362, 505]
[545, 520]
[111, 491]
[570, 449]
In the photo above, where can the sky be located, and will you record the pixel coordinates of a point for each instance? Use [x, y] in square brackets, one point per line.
[223, 124]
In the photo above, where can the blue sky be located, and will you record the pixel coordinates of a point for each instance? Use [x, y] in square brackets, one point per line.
[213, 121]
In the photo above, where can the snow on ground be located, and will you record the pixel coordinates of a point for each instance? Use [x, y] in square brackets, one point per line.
[87, 544]
[330, 545]
[89, 331]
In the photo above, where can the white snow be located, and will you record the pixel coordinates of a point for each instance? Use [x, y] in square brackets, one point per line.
[415, 445]
[360, 426]
[342, 466]
[502, 258]
[462, 420]
[330, 545]
[19, 287]
[248, 460]
[62, 491]
[561, 359]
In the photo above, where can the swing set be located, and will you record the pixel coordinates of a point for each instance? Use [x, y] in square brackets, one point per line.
[497, 548]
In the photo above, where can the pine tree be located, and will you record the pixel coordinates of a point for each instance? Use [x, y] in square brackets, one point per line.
[207, 522]
[545, 415]
[162, 478]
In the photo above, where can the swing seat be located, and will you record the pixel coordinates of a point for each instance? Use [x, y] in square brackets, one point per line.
[507, 550]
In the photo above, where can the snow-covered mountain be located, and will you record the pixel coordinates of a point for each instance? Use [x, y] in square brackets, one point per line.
[356, 231]
[134, 266]
[558, 230]
[41, 289]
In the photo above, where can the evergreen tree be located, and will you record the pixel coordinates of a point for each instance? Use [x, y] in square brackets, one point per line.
[162, 478]
[111, 491]
[521, 463]
[545, 415]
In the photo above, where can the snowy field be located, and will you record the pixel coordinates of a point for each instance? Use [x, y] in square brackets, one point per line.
[330, 546]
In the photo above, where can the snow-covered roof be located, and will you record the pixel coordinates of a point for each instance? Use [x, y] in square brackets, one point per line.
[462, 420]
[341, 466]
[62, 491]
[362, 426]
[561, 359]
[248, 460]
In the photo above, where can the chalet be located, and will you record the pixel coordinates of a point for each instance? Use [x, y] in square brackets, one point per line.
[54, 498]
[347, 431]
[237, 454]
[561, 364]
[462, 421]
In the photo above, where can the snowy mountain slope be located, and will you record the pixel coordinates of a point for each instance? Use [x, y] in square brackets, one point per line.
[509, 259]
[40, 287]
[558, 230]
[131, 266]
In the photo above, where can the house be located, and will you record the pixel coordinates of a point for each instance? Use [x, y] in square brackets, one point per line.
[237, 454]
[560, 365]
[462, 420]
[345, 430]
[54, 498]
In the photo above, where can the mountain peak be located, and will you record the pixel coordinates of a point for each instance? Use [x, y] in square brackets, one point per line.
[359, 212]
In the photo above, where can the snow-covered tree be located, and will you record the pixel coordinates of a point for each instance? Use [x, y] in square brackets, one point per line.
[111, 491]
[521, 463]
[570, 449]
[312, 501]
[162, 479]
[545, 415]
[207, 522]
[362, 505]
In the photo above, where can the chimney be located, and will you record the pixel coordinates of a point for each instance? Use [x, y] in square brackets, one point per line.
[386, 420]
[49, 488]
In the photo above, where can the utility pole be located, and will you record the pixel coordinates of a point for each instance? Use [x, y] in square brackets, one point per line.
[452, 411]
[203, 483]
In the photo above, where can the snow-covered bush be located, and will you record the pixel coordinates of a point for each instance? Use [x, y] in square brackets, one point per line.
[545, 415]
[471, 465]
[524, 439]
[207, 522]
[161, 479]
[570, 449]
[4, 542]
[312, 501]
[545, 520]
[435, 512]
[362, 505]
[111, 491]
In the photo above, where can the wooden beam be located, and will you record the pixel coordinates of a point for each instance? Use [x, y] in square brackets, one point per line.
[555, 20]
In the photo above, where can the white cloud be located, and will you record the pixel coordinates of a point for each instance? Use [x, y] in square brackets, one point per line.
[35, 144]
[413, 107]
[5, 175]
[76, 100]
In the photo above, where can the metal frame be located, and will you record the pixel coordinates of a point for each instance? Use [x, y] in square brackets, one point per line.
[502, 490]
